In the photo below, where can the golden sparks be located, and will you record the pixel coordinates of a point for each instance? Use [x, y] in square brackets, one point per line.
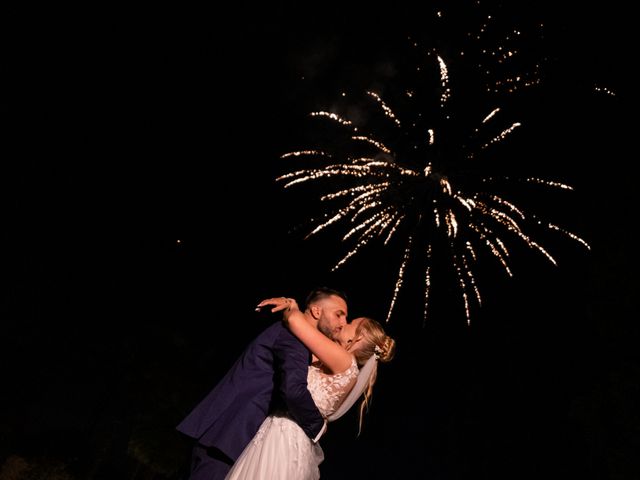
[332, 116]
[605, 90]
[444, 82]
[395, 184]
[387, 111]
[304, 152]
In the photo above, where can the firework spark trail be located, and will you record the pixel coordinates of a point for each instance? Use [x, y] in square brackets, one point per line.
[485, 235]
[398, 218]
[386, 195]
[400, 279]
[387, 111]
[427, 285]
[444, 81]
[332, 116]
[463, 286]
[502, 135]
[572, 236]
[304, 152]
[373, 142]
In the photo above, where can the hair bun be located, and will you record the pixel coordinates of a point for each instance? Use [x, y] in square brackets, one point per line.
[387, 349]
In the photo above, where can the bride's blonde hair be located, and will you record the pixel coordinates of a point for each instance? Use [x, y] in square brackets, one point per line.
[374, 342]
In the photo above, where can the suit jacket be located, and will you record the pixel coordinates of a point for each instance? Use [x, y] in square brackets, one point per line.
[270, 374]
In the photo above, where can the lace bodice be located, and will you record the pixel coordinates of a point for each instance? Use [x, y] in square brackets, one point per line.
[328, 391]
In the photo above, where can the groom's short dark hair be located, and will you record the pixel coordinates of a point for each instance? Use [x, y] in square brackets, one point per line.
[320, 293]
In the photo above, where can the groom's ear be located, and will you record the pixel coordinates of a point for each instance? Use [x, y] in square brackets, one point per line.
[315, 311]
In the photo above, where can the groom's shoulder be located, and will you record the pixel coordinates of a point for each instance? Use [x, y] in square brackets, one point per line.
[272, 331]
[278, 333]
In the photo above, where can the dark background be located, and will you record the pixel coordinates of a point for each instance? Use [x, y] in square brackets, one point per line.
[127, 130]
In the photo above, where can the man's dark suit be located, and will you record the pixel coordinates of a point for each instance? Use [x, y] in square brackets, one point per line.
[271, 374]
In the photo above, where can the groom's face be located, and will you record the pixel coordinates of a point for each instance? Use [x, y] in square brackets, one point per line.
[332, 315]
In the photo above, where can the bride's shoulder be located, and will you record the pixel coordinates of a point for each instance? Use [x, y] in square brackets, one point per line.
[352, 370]
[323, 370]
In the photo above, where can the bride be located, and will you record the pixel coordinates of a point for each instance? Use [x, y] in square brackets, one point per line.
[339, 374]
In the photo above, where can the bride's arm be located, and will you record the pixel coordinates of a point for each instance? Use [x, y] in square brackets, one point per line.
[333, 356]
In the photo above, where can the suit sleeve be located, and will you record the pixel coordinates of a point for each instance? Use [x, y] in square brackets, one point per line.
[293, 361]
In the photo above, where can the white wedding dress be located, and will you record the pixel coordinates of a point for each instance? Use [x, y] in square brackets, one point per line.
[281, 450]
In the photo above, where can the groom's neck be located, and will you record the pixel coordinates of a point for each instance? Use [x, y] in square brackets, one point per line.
[309, 318]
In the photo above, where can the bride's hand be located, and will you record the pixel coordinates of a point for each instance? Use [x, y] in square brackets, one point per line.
[278, 304]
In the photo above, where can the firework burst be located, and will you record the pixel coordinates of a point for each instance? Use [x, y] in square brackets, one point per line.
[414, 168]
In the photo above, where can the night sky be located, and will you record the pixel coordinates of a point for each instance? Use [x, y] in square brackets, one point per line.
[141, 223]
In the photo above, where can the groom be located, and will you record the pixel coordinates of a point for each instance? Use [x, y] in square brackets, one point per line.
[270, 374]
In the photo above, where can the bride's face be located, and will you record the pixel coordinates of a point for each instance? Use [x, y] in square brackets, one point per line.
[347, 335]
